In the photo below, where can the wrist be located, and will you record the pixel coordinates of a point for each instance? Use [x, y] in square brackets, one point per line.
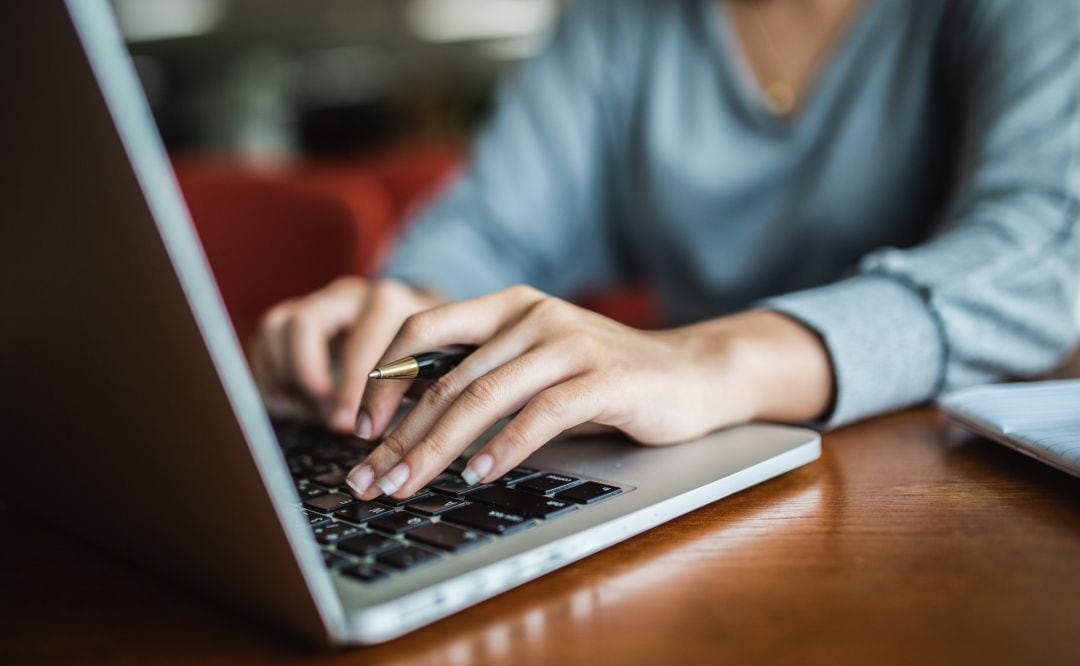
[762, 364]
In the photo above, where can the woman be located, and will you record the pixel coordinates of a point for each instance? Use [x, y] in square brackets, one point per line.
[846, 205]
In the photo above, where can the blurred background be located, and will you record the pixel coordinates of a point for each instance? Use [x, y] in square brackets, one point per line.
[280, 79]
[306, 134]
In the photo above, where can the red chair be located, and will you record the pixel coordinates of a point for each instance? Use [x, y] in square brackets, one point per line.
[275, 232]
[268, 240]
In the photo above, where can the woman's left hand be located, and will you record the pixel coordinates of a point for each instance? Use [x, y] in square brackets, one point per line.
[557, 366]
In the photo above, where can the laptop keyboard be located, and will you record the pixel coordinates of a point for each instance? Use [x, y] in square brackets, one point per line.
[371, 541]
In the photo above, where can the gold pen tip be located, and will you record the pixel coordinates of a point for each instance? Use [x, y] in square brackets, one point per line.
[375, 374]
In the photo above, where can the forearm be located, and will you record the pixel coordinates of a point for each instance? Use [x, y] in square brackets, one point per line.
[761, 364]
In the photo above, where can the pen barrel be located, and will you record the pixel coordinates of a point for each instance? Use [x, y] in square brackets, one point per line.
[437, 367]
[433, 365]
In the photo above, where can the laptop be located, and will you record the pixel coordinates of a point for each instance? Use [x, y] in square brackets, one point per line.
[132, 419]
[1039, 419]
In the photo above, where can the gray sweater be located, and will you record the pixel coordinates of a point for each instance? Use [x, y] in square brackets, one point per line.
[919, 211]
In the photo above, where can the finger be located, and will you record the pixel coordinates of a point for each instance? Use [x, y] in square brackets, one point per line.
[543, 418]
[269, 366]
[267, 359]
[314, 323]
[307, 339]
[387, 304]
[474, 321]
[503, 348]
[277, 400]
[285, 392]
[262, 370]
[481, 403]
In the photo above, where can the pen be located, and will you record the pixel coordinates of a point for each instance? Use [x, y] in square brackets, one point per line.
[428, 365]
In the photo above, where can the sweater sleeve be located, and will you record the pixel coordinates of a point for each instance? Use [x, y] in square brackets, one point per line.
[531, 205]
[994, 293]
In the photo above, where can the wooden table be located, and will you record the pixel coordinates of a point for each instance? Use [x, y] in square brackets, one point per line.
[908, 542]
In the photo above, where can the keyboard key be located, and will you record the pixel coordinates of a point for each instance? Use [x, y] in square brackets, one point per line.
[547, 484]
[489, 519]
[517, 474]
[589, 492]
[433, 505]
[532, 505]
[329, 503]
[447, 537]
[361, 512]
[285, 429]
[341, 451]
[368, 544]
[296, 466]
[393, 501]
[334, 532]
[398, 523]
[302, 433]
[308, 491]
[331, 479]
[364, 572]
[310, 470]
[454, 486]
[334, 561]
[314, 519]
[325, 453]
[407, 557]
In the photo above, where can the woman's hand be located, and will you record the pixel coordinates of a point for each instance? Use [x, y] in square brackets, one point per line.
[557, 366]
[353, 319]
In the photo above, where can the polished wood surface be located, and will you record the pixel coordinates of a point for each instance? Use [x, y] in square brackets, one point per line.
[908, 542]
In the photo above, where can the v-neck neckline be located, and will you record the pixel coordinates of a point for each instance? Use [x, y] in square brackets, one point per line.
[736, 68]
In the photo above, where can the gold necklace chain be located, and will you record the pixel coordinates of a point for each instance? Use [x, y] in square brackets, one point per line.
[780, 91]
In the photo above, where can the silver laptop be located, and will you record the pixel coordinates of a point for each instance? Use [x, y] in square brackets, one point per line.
[133, 421]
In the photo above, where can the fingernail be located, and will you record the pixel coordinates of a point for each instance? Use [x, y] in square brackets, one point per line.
[360, 478]
[344, 419]
[363, 426]
[477, 468]
[394, 479]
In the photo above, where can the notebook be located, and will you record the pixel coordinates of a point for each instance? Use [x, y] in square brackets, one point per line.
[1040, 419]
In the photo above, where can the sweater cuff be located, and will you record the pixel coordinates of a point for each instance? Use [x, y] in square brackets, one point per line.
[885, 343]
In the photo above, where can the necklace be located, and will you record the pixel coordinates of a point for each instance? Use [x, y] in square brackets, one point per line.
[781, 93]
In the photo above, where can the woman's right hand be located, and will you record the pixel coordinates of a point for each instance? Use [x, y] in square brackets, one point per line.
[315, 351]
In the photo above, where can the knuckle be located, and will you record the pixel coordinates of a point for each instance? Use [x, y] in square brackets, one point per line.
[524, 293]
[608, 375]
[396, 299]
[443, 391]
[303, 320]
[395, 445]
[382, 291]
[514, 437]
[548, 309]
[435, 444]
[537, 312]
[391, 288]
[275, 316]
[579, 340]
[295, 329]
[346, 283]
[415, 327]
[549, 408]
[482, 392]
